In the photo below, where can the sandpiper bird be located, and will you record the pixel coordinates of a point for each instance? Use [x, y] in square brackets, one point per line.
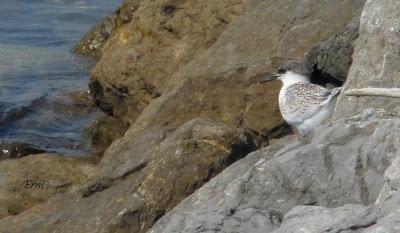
[302, 104]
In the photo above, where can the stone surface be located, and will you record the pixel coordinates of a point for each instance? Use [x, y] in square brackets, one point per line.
[315, 219]
[105, 130]
[343, 163]
[33, 179]
[332, 58]
[376, 58]
[130, 194]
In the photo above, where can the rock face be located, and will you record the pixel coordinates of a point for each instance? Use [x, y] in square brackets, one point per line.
[342, 164]
[141, 57]
[136, 191]
[376, 58]
[332, 58]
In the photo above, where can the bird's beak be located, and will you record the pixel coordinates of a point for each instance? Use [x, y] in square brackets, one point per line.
[269, 78]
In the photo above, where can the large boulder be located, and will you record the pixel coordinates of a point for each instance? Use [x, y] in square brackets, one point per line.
[140, 58]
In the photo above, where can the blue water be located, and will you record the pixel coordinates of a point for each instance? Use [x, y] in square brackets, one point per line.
[38, 71]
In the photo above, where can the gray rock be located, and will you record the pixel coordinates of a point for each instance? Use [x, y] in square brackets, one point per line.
[392, 175]
[315, 219]
[333, 57]
[389, 197]
[388, 224]
[343, 164]
[376, 58]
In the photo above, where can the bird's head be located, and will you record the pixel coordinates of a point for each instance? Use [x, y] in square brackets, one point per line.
[291, 71]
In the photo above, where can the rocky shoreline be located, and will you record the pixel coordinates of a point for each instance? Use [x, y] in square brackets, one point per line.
[194, 143]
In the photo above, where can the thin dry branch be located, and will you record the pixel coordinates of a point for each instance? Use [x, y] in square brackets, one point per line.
[384, 92]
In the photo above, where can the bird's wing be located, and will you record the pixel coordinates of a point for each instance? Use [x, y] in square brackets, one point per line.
[303, 100]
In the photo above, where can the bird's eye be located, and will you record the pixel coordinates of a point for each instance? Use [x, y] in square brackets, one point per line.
[281, 71]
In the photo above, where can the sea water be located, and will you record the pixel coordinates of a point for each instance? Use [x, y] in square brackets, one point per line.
[39, 74]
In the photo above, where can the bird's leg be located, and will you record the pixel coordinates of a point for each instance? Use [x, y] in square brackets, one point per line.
[304, 136]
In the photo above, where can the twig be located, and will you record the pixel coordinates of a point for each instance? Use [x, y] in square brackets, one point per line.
[385, 92]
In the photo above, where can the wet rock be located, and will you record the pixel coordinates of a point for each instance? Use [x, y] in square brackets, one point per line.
[93, 42]
[32, 180]
[81, 99]
[376, 59]
[343, 164]
[32, 129]
[132, 197]
[17, 150]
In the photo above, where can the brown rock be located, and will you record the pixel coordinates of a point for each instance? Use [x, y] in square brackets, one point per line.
[141, 58]
[33, 179]
[103, 132]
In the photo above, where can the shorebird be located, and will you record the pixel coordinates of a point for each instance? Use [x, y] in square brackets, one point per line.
[303, 105]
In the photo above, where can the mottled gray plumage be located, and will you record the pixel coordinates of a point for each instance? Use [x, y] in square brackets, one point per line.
[302, 104]
[303, 100]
